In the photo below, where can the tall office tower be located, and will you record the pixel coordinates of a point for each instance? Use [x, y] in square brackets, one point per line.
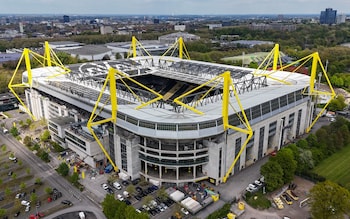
[329, 16]
[66, 19]
[20, 27]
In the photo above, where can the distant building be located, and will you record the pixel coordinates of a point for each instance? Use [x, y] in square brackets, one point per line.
[91, 52]
[153, 47]
[171, 38]
[20, 27]
[8, 102]
[66, 19]
[341, 18]
[250, 43]
[329, 16]
[180, 27]
[65, 45]
[214, 26]
[156, 21]
[8, 57]
[106, 29]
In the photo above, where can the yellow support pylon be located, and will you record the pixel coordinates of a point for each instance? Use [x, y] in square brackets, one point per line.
[224, 78]
[111, 79]
[49, 59]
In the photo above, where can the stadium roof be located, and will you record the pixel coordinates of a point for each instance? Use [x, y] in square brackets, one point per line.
[88, 78]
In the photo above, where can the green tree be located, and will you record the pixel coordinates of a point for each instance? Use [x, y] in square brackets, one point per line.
[162, 194]
[14, 131]
[38, 181]
[0, 181]
[3, 148]
[14, 176]
[74, 178]
[48, 190]
[285, 159]
[337, 103]
[22, 186]
[27, 141]
[45, 136]
[273, 174]
[146, 200]
[29, 121]
[131, 189]
[63, 169]
[2, 212]
[33, 197]
[45, 156]
[329, 200]
[28, 171]
[8, 191]
[108, 206]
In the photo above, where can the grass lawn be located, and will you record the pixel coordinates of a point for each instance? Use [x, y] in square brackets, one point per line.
[337, 167]
[258, 200]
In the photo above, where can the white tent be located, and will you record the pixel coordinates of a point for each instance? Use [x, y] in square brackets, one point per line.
[177, 196]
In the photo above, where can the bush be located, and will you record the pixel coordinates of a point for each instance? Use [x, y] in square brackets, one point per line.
[221, 213]
[314, 177]
[56, 146]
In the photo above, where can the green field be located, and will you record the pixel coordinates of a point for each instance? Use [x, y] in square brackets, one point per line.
[337, 167]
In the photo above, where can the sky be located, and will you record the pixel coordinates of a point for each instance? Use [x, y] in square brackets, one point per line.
[171, 7]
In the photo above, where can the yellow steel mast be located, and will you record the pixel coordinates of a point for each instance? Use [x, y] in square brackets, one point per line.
[111, 79]
[49, 59]
[180, 45]
[316, 61]
[224, 78]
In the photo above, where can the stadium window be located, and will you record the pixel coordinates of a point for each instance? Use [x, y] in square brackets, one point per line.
[266, 108]
[147, 124]
[166, 127]
[275, 104]
[291, 98]
[186, 127]
[283, 101]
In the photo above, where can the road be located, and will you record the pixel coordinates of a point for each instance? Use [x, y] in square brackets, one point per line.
[47, 173]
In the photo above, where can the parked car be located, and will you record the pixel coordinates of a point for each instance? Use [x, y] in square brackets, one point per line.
[67, 202]
[117, 185]
[120, 197]
[25, 203]
[105, 186]
[110, 191]
[17, 214]
[258, 183]
[183, 210]
[27, 208]
[38, 203]
[125, 183]
[252, 186]
[136, 181]
[12, 158]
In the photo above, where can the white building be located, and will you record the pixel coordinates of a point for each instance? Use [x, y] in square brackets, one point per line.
[180, 27]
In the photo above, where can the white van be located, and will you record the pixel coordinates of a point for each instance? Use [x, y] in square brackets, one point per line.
[117, 185]
[82, 215]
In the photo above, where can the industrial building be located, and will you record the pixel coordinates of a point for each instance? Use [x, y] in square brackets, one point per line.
[8, 102]
[169, 125]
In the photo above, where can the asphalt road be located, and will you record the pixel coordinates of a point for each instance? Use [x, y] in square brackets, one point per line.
[47, 173]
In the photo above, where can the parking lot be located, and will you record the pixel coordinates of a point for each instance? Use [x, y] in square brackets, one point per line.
[23, 193]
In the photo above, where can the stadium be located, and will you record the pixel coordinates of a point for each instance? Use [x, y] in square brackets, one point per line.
[170, 119]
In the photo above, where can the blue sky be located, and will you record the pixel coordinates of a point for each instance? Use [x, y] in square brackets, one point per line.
[169, 7]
